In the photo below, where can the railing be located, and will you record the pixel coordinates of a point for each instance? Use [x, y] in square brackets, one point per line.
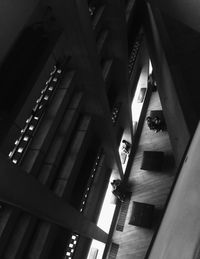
[134, 53]
[74, 237]
[27, 132]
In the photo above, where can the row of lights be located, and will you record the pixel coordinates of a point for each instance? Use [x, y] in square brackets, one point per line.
[71, 246]
[133, 54]
[115, 112]
[90, 180]
[74, 237]
[38, 110]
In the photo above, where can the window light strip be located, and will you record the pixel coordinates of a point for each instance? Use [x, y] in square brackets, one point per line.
[37, 106]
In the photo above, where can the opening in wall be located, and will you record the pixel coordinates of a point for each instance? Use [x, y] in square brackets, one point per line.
[105, 219]
[139, 97]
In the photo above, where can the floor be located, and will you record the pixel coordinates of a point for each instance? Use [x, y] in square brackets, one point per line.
[148, 187]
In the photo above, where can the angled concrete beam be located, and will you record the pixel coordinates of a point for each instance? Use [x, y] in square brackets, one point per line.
[22, 190]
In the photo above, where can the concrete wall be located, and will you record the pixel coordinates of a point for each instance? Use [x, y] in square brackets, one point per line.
[13, 16]
[168, 81]
[186, 11]
[179, 233]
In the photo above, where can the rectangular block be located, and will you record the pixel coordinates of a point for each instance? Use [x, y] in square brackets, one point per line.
[142, 214]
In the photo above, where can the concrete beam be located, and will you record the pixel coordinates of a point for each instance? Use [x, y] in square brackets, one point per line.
[22, 190]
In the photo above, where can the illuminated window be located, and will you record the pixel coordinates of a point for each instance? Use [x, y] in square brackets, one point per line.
[46, 97]
[20, 150]
[16, 142]
[31, 127]
[10, 154]
[14, 161]
[55, 79]
[25, 138]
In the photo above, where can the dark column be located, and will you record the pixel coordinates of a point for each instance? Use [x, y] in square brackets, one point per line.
[24, 191]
